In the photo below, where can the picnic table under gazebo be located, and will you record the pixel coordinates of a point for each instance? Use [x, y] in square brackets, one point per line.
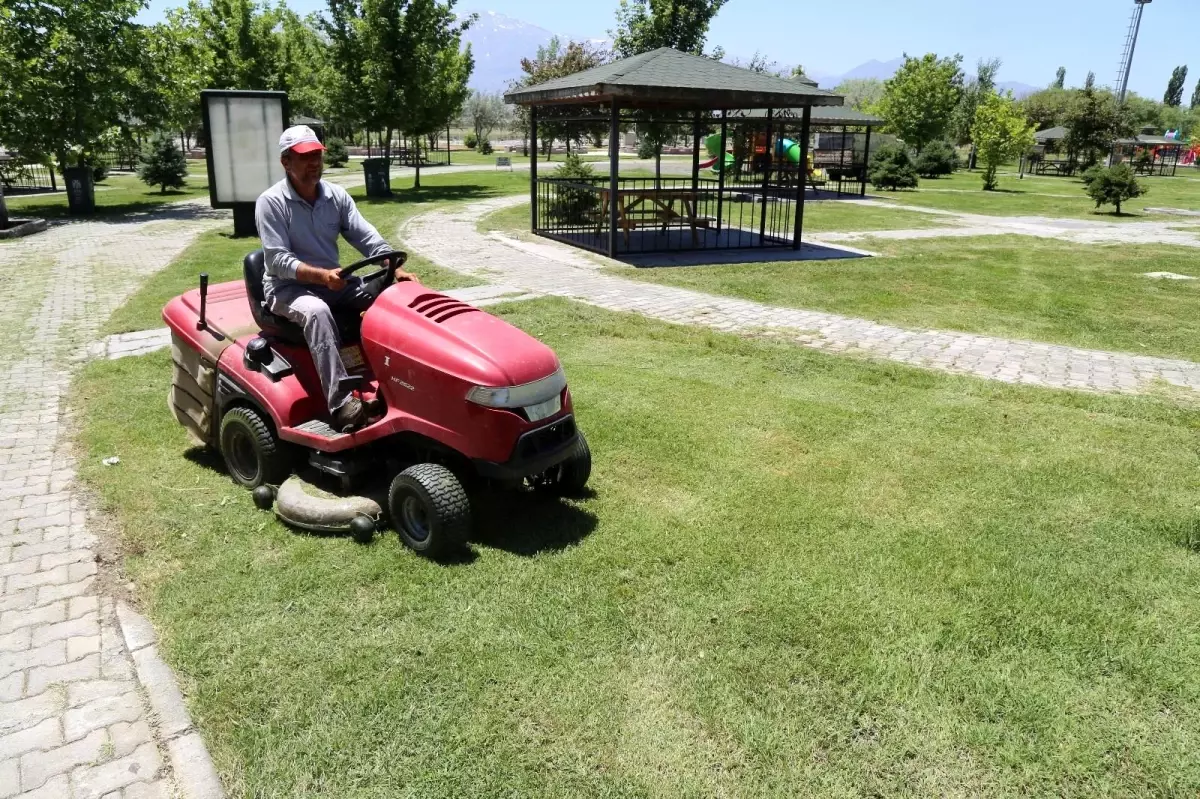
[617, 215]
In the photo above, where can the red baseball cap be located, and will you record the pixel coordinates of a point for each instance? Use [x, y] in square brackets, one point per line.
[299, 139]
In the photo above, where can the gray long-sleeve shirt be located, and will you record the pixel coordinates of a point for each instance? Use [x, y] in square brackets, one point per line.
[294, 232]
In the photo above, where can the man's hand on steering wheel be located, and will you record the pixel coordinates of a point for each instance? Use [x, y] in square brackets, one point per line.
[399, 274]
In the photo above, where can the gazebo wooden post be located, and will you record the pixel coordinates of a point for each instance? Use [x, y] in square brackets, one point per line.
[862, 192]
[721, 171]
[800, 184]
[695, 153]
[766, 181]
[842, 160]
[533, 178]
[614, 158]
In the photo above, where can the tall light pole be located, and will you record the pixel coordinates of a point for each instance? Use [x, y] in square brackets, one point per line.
[1135, 24]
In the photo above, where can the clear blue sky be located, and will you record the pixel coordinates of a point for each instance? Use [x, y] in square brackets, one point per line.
[1033, 37]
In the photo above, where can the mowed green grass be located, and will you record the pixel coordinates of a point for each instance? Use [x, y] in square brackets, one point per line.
[115, 195]
[798, 575]
[220, 254]
[1091, 296]
[1047, 196]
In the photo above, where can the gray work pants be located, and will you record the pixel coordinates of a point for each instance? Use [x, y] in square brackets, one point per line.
[310, 308]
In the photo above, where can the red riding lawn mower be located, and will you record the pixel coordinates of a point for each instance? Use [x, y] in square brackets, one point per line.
[469, 400]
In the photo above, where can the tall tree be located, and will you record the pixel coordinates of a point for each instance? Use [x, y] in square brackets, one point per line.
[557, 60]
[69, 73]
[763, 65]
[300, 56]
[175, 69]
[414, 75]
[438, 90]
[862, 94]
[1047, 108]
[1000, 133]
[1090, 83]
[920, 98]
[1196, 96]
[645, 25]
[1174, 94]
[1060, 79]
[240, 36]
[1093, 121]
[978, 88]
[483, 112]
[344, 73]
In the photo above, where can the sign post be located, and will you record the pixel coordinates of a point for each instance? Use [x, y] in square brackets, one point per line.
[242, 128]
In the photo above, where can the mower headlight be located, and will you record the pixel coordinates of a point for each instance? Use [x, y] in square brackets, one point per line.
[520, 396]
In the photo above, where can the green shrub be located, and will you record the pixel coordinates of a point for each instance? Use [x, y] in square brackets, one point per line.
[471, 141]
[336, 153]
[163, 164]
[937, 159]
[574, 204]
[1090, 174]
[891, 168]
[1114, 186]
[485, 147]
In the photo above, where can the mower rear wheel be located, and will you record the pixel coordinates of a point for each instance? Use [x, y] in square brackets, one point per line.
[569, 478]
[253, 455]
[430, 510]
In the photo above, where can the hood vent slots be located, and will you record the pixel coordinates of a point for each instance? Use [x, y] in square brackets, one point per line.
[439, 307]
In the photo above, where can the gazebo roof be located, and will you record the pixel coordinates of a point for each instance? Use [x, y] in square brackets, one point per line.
[1160, 141]
[1051, 134]
[669, 78]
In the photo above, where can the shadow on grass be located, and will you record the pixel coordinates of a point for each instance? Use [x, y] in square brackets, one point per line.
[58, 209]
[527, 523]
[433, 194]
[523, 523]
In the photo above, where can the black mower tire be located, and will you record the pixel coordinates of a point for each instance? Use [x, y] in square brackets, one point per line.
[253, 455]
[569, 478]
[437, 496]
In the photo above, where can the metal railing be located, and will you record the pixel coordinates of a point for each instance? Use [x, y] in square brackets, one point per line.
[19, 177]
[667, 214]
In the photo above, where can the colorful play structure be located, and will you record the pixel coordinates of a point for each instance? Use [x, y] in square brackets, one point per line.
[786, 149]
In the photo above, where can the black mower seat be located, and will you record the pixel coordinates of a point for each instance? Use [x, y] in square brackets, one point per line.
[272, 325]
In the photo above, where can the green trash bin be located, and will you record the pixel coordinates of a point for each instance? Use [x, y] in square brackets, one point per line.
[379, 182]
[81, 191]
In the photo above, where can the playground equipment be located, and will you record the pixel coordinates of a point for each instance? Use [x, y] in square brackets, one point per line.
[785, 149]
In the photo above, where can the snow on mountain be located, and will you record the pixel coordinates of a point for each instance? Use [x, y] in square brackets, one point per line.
[498, 44]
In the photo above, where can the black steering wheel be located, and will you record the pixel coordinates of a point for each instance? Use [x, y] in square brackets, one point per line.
[396, 257]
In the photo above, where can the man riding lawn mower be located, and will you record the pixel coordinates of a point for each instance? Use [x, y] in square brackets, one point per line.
[304, 362]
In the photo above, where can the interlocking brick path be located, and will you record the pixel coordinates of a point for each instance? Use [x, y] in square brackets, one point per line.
[449, 238]
[1077, 231]
[74, 718]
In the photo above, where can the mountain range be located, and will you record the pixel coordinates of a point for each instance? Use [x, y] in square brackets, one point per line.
[499, 43]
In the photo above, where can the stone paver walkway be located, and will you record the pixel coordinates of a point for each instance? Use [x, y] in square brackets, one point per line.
[450, 239]
[1077, 231]
[80, 716]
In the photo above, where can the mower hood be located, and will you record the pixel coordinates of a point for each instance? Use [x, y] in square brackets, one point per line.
[450, 336]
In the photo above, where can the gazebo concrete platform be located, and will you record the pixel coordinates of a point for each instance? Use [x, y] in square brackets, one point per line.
[656, 248]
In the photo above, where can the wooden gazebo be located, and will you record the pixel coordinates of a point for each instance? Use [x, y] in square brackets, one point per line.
[747, 202]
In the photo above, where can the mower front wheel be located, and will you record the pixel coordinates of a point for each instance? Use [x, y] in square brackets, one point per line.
[430, 510]
[253, 455]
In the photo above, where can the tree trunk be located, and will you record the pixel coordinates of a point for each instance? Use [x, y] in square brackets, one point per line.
[417, 163]
[3, 209]
[658, 167]
[387, 147]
